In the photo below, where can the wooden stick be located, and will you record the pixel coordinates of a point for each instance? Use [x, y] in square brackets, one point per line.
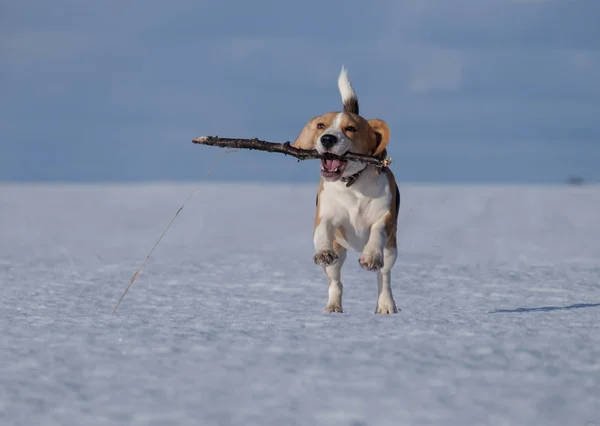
[287, 149]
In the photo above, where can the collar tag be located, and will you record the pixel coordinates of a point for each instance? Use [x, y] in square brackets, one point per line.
[351, 180]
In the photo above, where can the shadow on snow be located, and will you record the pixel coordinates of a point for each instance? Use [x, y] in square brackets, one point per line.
[546, 308]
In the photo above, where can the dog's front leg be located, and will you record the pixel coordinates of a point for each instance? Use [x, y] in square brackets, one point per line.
[330, 255]
[372, 255]
[323, 240]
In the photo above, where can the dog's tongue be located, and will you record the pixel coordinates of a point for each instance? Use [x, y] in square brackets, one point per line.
[331, 164]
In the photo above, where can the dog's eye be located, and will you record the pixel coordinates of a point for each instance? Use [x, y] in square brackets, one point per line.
[350, 129]
[320, 126]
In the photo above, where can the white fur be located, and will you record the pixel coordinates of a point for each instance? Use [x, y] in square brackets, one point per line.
[334, 272]
[345, 86]
[385, 299]
[360, 211]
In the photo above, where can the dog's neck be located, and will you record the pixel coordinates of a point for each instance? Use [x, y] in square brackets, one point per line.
[351, 180]
[369, 184]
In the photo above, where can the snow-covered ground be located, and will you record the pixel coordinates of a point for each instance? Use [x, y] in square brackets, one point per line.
[499, 289]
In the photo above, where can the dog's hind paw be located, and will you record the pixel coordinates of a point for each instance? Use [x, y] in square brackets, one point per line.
[386, 305]
[325, 258]
[333, 308]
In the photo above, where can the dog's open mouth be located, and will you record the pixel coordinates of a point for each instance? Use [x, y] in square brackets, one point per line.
[332, 167]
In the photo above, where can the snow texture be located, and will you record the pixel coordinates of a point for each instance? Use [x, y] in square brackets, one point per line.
[499, 290]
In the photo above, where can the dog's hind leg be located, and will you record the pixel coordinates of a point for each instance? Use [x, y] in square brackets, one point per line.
[334, 272]
[385, 299]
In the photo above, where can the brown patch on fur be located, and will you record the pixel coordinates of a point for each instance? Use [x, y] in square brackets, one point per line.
[371, 136]
[391, 218]
[382, 136]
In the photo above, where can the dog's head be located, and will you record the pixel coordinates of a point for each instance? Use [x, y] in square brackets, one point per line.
[337, 133]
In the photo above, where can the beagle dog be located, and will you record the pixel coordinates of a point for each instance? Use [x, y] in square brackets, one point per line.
[357, 204]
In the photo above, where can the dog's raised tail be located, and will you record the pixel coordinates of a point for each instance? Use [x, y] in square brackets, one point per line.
[349, 98]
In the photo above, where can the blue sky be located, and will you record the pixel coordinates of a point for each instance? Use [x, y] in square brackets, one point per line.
[473, 90]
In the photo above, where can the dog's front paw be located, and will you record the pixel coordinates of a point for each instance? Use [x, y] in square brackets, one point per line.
[371, 261]
[325, 258]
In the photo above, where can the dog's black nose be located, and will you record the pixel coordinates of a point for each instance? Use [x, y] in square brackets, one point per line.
[328, 141]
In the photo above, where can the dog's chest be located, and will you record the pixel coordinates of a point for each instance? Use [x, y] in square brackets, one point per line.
[355, 209]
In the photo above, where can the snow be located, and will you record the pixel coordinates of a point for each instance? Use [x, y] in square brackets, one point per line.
[498, 286]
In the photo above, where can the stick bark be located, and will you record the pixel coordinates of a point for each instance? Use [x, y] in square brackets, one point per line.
[287, 149]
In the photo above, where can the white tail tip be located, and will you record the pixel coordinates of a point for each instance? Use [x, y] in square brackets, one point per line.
[345, 86]
[349, 98]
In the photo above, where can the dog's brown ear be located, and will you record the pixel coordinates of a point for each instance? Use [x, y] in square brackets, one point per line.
[382, 136]
[307, 139]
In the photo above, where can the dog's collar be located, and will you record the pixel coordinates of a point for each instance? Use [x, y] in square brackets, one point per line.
[351, 180]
